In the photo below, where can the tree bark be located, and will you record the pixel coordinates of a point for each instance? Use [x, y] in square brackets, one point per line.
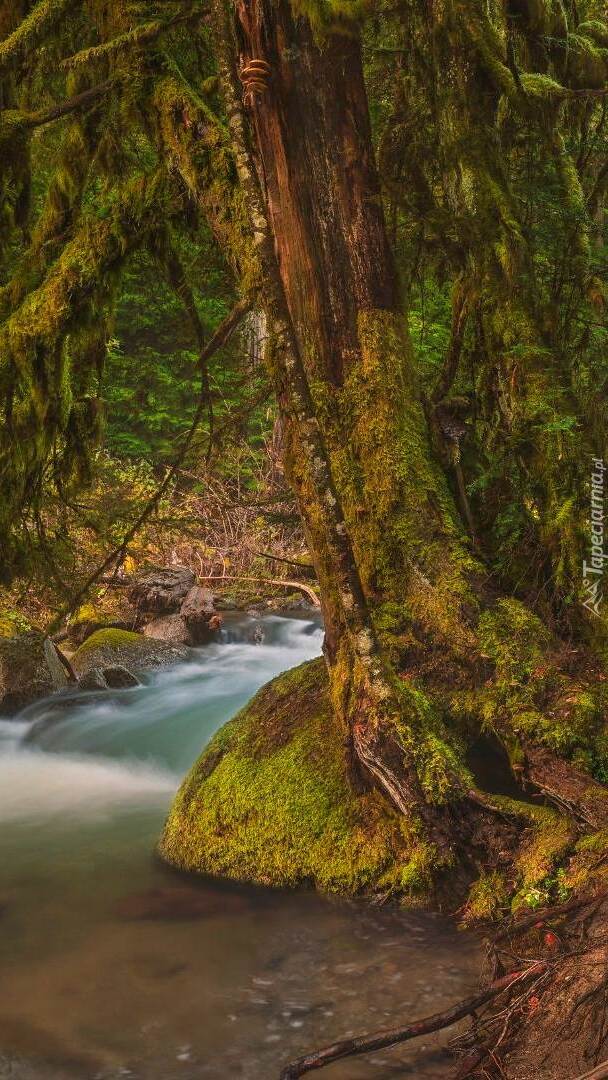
[382, 526]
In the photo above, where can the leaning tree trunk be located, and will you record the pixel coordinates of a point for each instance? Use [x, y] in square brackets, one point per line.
[388, 548]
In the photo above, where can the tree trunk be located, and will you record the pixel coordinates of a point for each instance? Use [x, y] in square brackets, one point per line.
[388, 547]
[413, 632]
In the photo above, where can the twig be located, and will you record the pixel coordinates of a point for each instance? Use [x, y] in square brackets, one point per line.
[365, 1044]
[470, 1062]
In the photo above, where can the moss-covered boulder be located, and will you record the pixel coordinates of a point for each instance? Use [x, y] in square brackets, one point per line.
[24, 671]
[269, 801]
[110, 648]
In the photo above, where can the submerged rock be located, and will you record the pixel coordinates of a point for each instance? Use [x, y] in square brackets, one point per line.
[178, 903]
[269, 801]
[106, 649]
[24, 671]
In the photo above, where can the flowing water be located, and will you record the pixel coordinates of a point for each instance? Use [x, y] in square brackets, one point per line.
[112, 966]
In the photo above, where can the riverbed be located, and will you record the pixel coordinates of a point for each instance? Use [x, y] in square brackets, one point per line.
[113, 966]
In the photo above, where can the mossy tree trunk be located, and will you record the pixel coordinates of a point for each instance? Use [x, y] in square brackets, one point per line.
[391, 554]
[421, 650]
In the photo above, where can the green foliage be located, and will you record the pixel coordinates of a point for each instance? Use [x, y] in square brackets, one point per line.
[496, 192]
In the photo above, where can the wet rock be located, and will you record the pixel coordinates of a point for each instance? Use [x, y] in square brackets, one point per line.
[162, 590]
[123, 648]
[169, 628]
[226, 603]
[93, 680]
[116, 677]
[56, 666]
[292, 602]
[271, 801]
[178, 904]
[199, 615]
[119, 677]
[24, 672]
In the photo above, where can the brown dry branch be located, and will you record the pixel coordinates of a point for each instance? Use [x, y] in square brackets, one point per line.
[379, 1040]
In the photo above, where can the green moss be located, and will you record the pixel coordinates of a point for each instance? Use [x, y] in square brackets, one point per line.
[30, 31]
[409, 544]
[269, 801]
[12, 623]
[588, 866]
[487, 898]
[549, 838]
[109, 638]
[413, 880]
[595, 842]
[331, 16]
[514, 638]
[436, 753]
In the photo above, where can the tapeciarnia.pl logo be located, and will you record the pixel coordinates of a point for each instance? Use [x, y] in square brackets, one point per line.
[593, 571]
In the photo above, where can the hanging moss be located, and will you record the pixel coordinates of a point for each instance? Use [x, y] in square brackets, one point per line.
[30, 32]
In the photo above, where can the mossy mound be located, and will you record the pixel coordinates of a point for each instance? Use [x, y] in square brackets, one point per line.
[269, 802]
[111, 647]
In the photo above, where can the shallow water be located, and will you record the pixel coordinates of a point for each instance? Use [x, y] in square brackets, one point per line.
[112, 966]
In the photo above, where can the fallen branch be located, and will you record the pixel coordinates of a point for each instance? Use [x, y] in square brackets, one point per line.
[306, 589]
[379, 1040]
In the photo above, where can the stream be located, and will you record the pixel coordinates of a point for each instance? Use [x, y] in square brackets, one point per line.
[96, 984]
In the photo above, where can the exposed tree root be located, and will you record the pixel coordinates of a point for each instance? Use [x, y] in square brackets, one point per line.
[567, 787]
[545, 1018]
[559, 1026]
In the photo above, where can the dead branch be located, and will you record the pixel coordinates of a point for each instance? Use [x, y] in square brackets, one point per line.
[281, 558]
[79, 101]
[379, 1040]
[306, 589]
